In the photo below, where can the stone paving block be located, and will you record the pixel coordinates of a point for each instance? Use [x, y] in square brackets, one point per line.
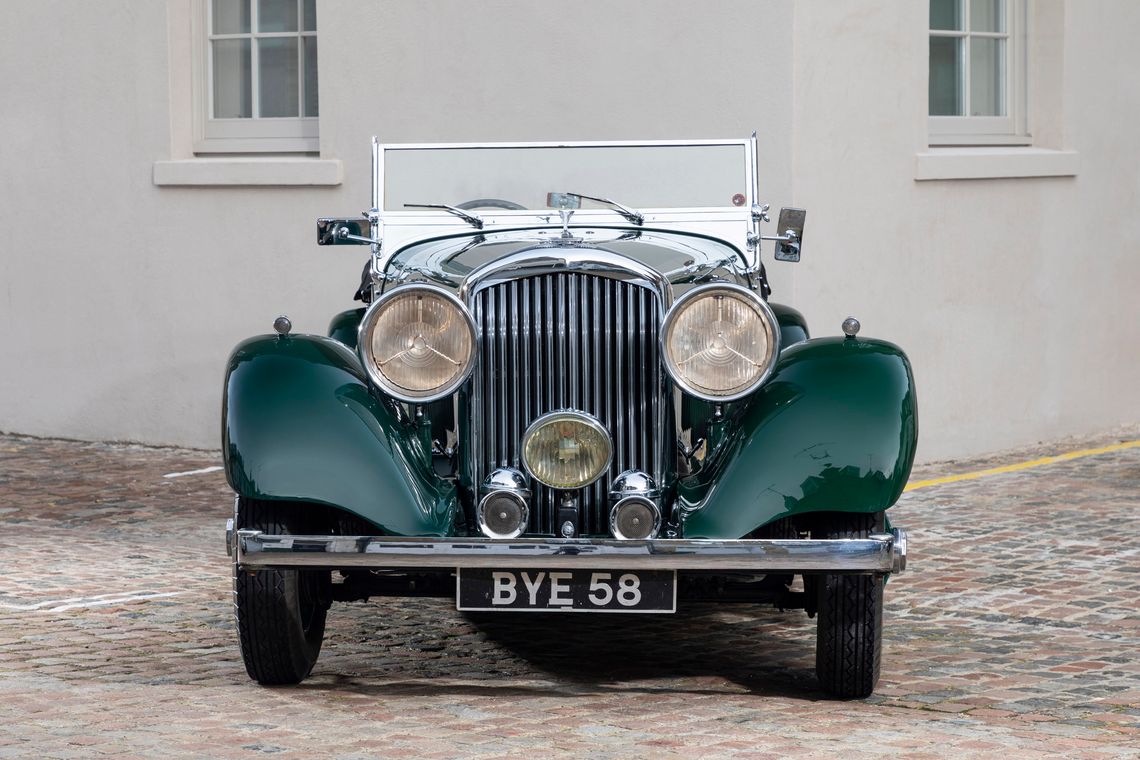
[1014, 632]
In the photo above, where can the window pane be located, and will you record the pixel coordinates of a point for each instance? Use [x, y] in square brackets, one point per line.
[946, 14]
[231, 16]
[277, 15]
[310, 54]
[232, 79]
[987, 16]
[987, 77]
[277, 80]
[310, 10]
[946, 76]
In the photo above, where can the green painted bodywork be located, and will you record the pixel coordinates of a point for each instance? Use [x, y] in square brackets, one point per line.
[300, 423]
[833, 429]
[793, 326]
[343, 327]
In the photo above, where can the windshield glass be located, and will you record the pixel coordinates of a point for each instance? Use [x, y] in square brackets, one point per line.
[533, 177]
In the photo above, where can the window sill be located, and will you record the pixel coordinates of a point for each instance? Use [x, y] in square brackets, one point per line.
[994, 163]
[246, 171]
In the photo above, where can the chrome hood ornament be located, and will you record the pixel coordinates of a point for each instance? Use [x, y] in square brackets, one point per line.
[566, 213]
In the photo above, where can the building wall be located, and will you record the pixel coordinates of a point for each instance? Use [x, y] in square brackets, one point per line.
[1015, 298]
[121, 298]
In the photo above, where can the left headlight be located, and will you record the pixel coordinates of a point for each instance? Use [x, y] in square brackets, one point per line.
[720, 342]
[418, 343]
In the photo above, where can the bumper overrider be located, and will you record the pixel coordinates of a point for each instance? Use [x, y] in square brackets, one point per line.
[878, 553]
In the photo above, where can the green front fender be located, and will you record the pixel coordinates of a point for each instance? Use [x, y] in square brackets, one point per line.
[299, 423]
[343, 326]
[834, 429]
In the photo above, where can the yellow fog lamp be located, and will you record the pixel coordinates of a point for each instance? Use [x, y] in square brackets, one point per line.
[566, 449]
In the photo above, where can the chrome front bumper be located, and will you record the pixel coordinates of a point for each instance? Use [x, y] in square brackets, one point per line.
[879, 553]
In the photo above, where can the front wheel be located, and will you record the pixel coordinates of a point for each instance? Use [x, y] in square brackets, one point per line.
[849, 633]
[280, 613]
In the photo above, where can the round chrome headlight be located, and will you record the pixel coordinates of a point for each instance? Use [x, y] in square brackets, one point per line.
[720, 342]
[566, 449]
[418, 343]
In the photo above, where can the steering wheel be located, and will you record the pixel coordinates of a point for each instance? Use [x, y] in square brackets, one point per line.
[491, 203]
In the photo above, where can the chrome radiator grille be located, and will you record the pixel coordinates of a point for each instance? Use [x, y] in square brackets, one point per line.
[567, 341]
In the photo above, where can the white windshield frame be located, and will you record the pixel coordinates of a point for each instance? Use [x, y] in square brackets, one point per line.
[394, 229]
[380, 151]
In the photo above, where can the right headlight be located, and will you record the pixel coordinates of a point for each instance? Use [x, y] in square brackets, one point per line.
[418, 343]
[720, 342]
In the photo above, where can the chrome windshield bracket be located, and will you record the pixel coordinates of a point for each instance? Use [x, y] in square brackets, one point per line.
[759, 211]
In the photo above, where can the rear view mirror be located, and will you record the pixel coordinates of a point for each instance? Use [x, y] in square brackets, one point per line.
[790, 233]
[344, 231]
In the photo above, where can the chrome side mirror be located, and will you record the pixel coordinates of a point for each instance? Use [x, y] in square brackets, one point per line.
[356, 231]
[790, 227]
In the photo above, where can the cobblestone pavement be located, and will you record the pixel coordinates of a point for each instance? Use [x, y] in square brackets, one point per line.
[1016, 630]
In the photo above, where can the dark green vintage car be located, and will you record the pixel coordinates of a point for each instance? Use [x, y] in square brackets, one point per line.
[568, 392]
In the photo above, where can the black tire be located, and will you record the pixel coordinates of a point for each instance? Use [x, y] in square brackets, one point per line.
[849, 633]
[280, 613]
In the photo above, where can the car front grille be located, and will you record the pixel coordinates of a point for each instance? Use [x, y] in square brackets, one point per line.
[568, 340]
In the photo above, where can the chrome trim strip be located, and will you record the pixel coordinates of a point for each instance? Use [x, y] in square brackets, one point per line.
[501, 403]
[880, 553]
[376, 218]
[542, 260]
[569, 144]
[377, 175]
[754, 171]
[621, 404]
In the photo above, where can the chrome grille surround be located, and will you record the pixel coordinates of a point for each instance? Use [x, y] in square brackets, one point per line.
[568, 328]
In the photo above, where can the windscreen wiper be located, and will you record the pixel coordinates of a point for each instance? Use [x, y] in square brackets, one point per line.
[628, 213]
[471, 219]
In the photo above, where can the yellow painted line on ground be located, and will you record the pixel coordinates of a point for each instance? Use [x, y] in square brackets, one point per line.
[1021, 465]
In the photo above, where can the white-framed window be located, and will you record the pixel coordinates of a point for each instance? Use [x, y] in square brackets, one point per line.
[255, 83]
[977, 85]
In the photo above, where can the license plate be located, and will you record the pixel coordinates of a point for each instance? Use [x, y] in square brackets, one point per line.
[480, 589]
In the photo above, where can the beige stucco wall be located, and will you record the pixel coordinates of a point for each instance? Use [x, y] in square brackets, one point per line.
[1015, 298]
[119, 298]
